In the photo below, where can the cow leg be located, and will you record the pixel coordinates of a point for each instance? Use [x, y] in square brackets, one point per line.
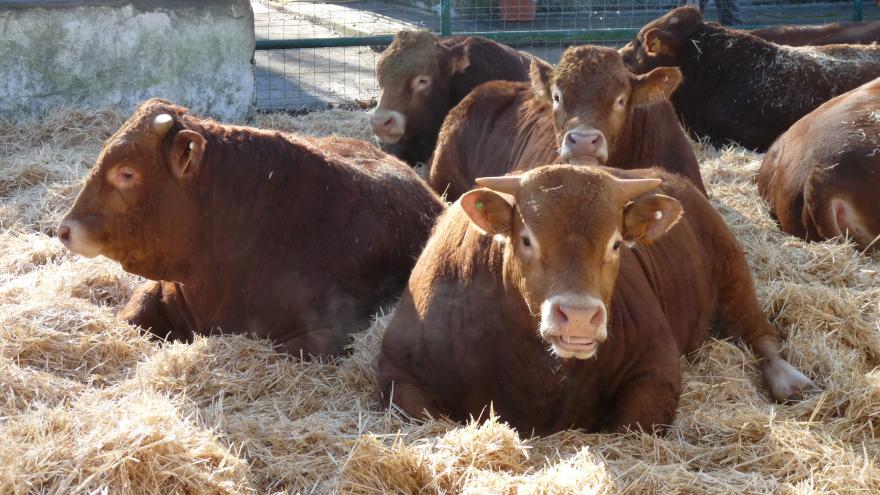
[321, 343]
[148, 310]
[410, 399]
[740, 316]
[648, 401]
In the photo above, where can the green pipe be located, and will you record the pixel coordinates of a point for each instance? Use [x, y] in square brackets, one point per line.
[858, 10]
[445, 17]
[286, 44]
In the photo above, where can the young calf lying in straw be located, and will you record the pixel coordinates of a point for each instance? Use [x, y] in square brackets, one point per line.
[566, 296]
[298, 240]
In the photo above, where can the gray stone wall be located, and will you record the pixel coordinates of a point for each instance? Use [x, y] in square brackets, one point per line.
[95, 54]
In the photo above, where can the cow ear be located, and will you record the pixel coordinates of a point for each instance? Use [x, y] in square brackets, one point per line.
[657, 85]
[489, 211]
[540, 73]
[648, 217]
[187, 153]
[459, 57]
[659, 42]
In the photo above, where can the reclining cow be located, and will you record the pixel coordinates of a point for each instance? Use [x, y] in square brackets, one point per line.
[822, 177]
[835, 33]
[738, 87]
[422, 77]
[566, 297]
[244, 230]
[588, 109]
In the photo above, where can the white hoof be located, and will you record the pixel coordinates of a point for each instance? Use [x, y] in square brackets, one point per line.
[785, 381]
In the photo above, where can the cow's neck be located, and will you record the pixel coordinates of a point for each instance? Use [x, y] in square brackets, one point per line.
[252, 219]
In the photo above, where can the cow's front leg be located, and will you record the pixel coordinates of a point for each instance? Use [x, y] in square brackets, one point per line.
[148, 309]
[648, 401]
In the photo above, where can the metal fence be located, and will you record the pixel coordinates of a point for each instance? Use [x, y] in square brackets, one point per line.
[311, 54]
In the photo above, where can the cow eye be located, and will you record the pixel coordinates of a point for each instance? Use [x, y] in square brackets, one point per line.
[616, 246]
[526, 241]
[621, 101]
[124, 177]
[556, 97]
[422, 82]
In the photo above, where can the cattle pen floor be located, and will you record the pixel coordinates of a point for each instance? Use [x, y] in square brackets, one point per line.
[87, 405]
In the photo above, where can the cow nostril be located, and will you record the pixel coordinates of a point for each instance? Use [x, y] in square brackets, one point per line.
[388, 122]
[64, 233]
[560, 316]
[596, 320]
[595, 139]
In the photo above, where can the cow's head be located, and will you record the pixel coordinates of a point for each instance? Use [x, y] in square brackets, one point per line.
[593, 98]
[659, 42]
[134, 207]
[565, 227]
[413, 75]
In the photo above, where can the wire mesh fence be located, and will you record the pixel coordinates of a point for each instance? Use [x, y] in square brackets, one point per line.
[319, 75]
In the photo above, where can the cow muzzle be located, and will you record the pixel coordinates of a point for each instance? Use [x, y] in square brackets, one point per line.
[583, 145]
[574, 325]
[73, 236]
[388, 125]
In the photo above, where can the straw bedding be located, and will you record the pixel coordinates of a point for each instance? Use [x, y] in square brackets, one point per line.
[88, 405]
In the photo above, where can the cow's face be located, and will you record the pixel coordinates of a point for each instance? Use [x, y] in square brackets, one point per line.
[593, 97]
[659, 42]
[413, 75]
[134, 207]
[565, 227]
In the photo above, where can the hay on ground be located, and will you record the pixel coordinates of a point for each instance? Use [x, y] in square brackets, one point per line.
[87, 404]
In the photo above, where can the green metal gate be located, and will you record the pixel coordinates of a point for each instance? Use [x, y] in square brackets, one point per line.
[313, 53]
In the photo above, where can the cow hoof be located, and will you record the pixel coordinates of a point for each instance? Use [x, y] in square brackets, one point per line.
[786, 382]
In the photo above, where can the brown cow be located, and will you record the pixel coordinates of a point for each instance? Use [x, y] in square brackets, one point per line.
[822, 177]
[738, 87]
[297, 240]
[588, 109]
[835, 33]
[556, 296]
[422, 77]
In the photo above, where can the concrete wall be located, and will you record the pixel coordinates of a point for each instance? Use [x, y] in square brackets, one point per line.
[93, 54]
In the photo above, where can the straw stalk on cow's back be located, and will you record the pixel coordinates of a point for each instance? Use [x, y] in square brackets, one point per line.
[566, 296]
[244, 230]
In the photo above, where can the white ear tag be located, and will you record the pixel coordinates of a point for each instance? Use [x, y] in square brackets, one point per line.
[658, 214]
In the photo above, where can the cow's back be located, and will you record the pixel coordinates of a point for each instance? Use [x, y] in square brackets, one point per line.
[827, 34]
[498, 128]
[489, 61]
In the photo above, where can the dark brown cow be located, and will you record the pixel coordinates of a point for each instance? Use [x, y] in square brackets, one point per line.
[588, 109]
[529, 295]
[822, 177]
[738, 87]
[297, 240]
[835, 33]
[422, 77]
